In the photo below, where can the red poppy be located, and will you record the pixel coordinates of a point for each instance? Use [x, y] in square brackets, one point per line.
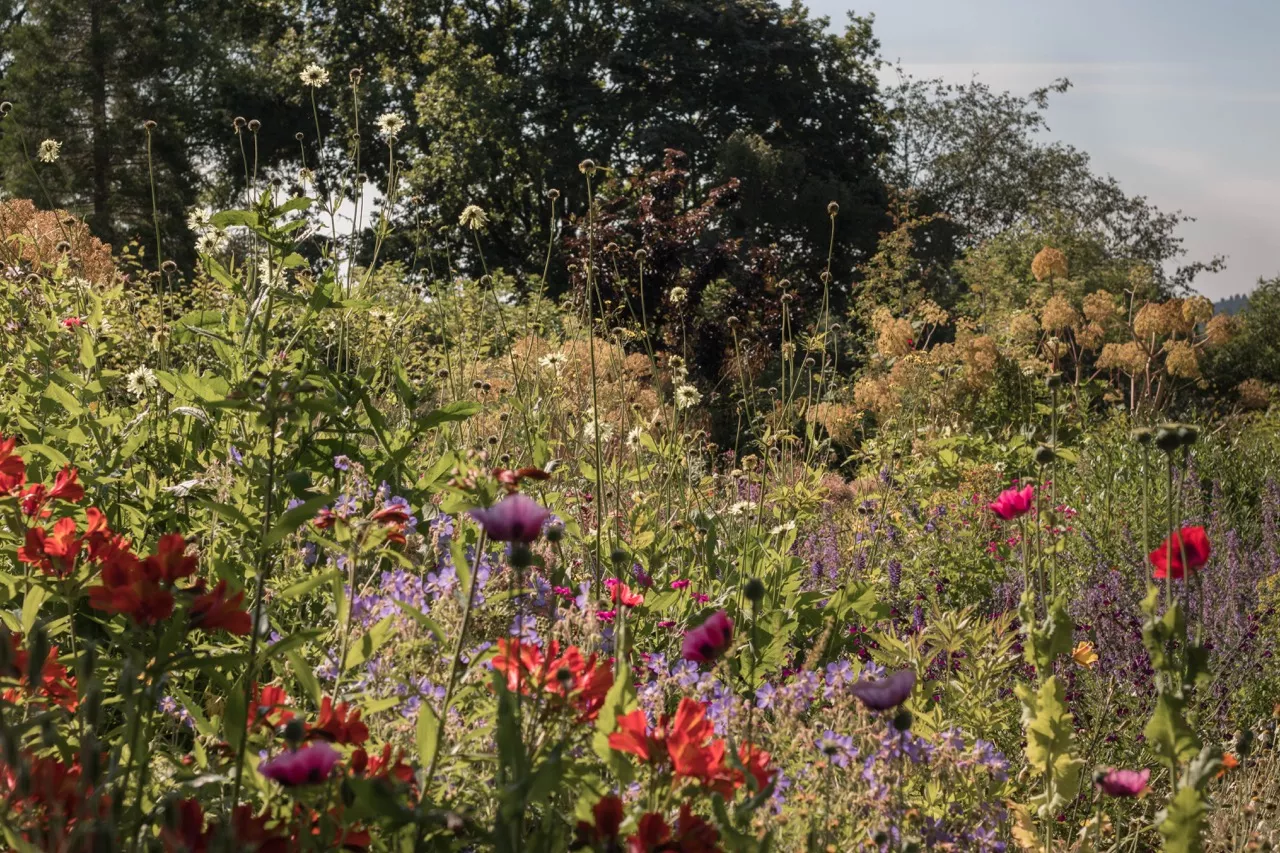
[129, 585]
[621, 593]
[607, 815]
[13, 471]
[339, 724]
[394, 518]
[688, 743]
[1181, 552]
[53, 553]
[53, 682]
[383, 765]
[270, 706]
[170, 561]
[66, 486]
[567, 676]
[692, 834]
[214, 610]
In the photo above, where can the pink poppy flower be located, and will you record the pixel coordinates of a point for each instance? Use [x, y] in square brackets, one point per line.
[709, 640]
[515, 518]
[1124, 783]
[1013, 503]
[680, 584]
[885, 693]
[309, 765]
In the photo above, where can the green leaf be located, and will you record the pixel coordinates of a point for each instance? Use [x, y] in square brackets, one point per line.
[620, 700]
[459, 410]
[227, 218]
[304, 675]
[35, 597]
[302, 587]
[1182, 822]
[369, 644]
[1168, 733]
[291, 520]
[88, 355]
[427, 735]
[64, 398]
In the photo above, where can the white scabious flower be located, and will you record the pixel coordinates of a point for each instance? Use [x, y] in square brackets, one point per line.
[632, 440]
[687, 397]
[473, 217]
[553, 361]
[314, 76]
[198, 219]
[390, 125]
[592, 424]
[741, 508]
[140, 382]
[48, 151]
[782, 528]
[211, 242]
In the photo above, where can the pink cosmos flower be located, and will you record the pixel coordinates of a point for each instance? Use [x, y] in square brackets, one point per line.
[515, 518]
[309, 765]
[1124, 783]
[1013, 503]
[709, 640]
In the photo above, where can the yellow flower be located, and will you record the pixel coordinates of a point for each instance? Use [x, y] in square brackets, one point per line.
[1084, 655]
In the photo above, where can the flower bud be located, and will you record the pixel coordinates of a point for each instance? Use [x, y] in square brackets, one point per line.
[902, 720]
[754, 590]
[1142, 435]
[294, 731]
[1045, 455]
[555, 532]
[1187, 434]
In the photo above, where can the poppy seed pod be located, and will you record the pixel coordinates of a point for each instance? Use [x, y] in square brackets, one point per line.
[1188, 434]
[1142, 435]
[902, 720]
[238, 122]
[1053, 380]
[832, 208]
[254, 125]
[63, 247]
[641, 255]
[1167, 439]
[553, 193]
[298, 136]
[1045, 455]
[754, 590]
[587, 167]
[521, 556]
[5, 107]
[555, 532]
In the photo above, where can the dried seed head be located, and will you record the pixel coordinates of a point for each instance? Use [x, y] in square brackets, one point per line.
[254, 125]
[832, 208]
[169, 267]
[553, 193]
[298, 136]
[587, 167]
[238, 123]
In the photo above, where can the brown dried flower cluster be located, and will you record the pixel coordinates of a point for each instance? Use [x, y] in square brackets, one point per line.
[895, 335]
[1058, 314]
[1254, 394]
[1049, 263]
[41, 233]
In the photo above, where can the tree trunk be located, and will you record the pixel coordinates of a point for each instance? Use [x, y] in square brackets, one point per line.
[101, 219]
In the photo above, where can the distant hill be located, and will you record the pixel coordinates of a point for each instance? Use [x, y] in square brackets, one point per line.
[1232, 304]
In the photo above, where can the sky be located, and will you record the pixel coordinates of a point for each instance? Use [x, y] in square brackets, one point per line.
[1179, 100]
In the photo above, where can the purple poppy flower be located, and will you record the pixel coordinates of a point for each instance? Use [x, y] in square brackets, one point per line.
[515, 518]
[885, 693]
[1124, 783]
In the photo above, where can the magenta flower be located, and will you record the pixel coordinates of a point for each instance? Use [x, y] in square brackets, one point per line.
[709, 640]
[515, 518]
[1124, 783]
[680, 584]
[1013, 503]
[885, 693]
[309, 765]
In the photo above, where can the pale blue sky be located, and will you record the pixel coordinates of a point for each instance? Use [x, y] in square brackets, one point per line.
[1178, 99]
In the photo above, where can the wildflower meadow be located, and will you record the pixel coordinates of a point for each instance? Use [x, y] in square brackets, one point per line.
[697, 493]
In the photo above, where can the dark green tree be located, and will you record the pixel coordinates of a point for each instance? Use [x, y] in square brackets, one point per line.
[91, 74]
